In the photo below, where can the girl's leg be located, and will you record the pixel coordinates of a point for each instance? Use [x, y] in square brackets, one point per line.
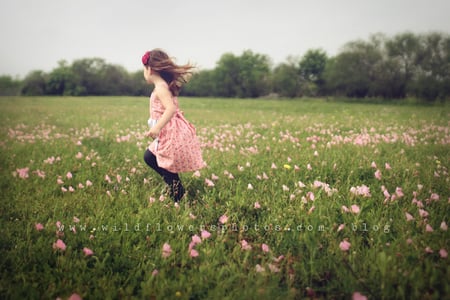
[171, 179]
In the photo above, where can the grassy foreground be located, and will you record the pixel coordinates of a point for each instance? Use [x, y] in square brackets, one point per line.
[300, 199]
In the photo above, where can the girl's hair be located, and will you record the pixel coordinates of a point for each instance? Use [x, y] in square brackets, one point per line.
[173, 74]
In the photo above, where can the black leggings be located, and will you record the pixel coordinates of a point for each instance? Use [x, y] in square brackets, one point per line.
[176, 189]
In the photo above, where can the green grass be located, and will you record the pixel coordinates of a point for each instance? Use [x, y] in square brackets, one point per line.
[297, 159]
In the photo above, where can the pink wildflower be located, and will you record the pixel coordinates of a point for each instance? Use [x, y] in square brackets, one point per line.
[355, 209]
[434, 197]
[409, 217]
[259, 269]
[196, 239]
[23, 173]
[209, 182]
[205, 234]
[399, 192]
[423, 213]
[69, 175]
[40, 173]
[265, 248]
[361, 191]
[444, 226]
[358, 296]
[196, 174]
[387, 166]
[223, 219]
[443, 253]
[273, 268]
[378, 174]
[87, 251]
[39, 227]
[75, 296]
[245, 245]
[344, 245]
[341, 227]
[59, 245]
[193, 253]
[257, 205]
[166, 250]
[428, 228]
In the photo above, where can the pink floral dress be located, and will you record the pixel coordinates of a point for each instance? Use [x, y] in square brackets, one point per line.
[177, 148]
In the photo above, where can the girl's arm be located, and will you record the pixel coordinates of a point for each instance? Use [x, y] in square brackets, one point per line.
[165, 96]
[150, 108]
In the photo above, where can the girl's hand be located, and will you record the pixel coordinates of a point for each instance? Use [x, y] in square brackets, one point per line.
[153, 132]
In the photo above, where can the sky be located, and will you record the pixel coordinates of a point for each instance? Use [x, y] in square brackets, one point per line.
[37, 34]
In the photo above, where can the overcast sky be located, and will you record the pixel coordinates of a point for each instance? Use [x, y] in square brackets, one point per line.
[36, 34]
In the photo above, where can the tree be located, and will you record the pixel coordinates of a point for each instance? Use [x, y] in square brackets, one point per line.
[202, 84]
[355, 70]
[433, 75]
[87, 73]
[286, 79]
[34, 84]
[226, 75]
[311, 68]
[9, 86]
[138, 85]
[61, 80]
[403, 50]
[254, 74]
[242, 76]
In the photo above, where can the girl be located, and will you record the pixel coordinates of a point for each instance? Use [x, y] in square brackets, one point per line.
[175, 147]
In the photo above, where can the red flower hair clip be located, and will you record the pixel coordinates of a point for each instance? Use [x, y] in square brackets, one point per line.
[145, 58]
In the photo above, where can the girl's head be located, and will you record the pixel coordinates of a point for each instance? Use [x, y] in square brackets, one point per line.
[160, 63]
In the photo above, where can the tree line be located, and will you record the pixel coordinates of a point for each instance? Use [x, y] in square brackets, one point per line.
[405, 65]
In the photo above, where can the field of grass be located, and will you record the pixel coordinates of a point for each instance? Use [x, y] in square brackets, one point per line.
[300, 199]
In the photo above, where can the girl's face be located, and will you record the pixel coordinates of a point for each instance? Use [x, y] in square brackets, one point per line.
[148, 74]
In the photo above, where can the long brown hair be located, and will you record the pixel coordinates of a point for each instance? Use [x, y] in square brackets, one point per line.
[173, 74]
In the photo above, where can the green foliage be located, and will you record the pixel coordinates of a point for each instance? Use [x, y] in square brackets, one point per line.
[403, 66]
[9, 86]
[34, 84]
[286, 81]
[283, 171]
